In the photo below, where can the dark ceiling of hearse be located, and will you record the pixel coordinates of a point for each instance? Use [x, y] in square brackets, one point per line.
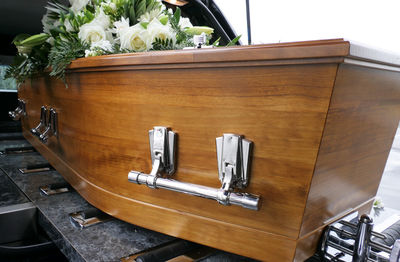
[19, 16]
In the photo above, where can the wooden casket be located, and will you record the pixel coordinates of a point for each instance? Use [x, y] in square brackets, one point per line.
[304, 130]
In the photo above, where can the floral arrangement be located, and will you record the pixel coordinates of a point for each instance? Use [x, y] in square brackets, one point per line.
[99, 27]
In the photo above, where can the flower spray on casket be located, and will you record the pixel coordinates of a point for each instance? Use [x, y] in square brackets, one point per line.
[100, 27]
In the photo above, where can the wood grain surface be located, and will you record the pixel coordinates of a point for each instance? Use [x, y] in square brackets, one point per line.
[361, 124]
[285, 51]
[276, 96]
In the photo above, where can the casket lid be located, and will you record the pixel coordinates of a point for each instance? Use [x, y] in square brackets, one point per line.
[307, 52]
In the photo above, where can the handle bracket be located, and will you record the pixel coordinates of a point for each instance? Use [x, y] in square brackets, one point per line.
[51, 128]
[233, 153]
[162, 147]
[19, 111]
[48, 125]
[37, 131]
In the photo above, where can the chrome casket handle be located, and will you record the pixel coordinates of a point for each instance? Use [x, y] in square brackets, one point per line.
[37, 131]
[48, 125]
[233, 153]
[19, 111]
[51, 129]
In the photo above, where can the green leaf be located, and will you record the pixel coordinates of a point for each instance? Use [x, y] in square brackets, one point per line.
[89, 16]
[132, 15]
[234, 41]
[90, 8]
[62, 17]
[62, 54]
[144, 24]
[126, 9]
[160, 44]
[216, 42]
[58, 29]
[20, 38]
[58, 6]
[151, 5]
[54, 10]
[34, 40]
[140, 8]
[198, 30]
[177, 15]
[164, 19]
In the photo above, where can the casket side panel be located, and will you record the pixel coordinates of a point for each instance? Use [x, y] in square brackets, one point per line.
[362, 120]
[218, 234]
[104, 118]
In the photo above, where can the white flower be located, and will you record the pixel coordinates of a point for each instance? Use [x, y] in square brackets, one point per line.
[90, 53]
[113, 6]
[102, 19]
[49, 23]
[121, 26]
[91, 33]
[109, 36]
[98, 48]
[78, 5]
[135, 38]
[95, 31]
[103, 44]
[157, 30]
[68, 25]
[50, 40]
[24, 50]
[184, 22]
[149, 16]
[109, 4]
[378, 203]
[46, 24]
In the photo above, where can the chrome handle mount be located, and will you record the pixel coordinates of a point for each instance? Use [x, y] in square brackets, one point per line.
[48, 125]
[37, 131]
[52, 127]
[19, 111]
[233, 154]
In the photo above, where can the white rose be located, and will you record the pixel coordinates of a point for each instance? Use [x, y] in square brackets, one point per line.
[109, 36]
[135, 38]
[102, 19]
[91, 33]
[121, 26]
[157, 30]
[78, 5]
[184, 22]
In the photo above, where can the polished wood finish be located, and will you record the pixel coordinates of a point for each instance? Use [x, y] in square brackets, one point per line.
[288, 99]
[231, 56]
[362, 120]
